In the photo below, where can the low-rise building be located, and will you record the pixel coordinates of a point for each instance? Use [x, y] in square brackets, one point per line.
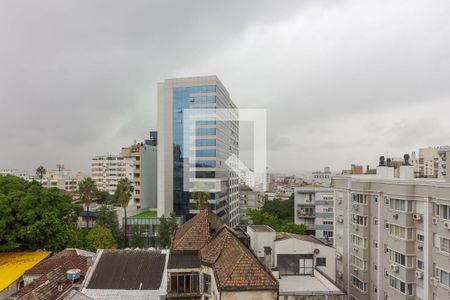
[127, 275]
[209, 255]
[314, 208]
[13, 265]
[54, 277]
[305, 267]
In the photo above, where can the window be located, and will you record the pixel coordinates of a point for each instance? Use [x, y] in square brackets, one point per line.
[305, 266]
[401, 259]
[375, 243]
[321, 261]
[328, 234]
[359, 241]
[405, 288]
[375, 221]
[401, 232]
[420, 264]
[386, 200]
[182, 283]
[400, 205]
[359, 284]
[420, 237]
[443, 276]
[205, 142]
[206, 283]
[442, 243]
[442, 211]
[359, 198]
[327, 222]
[360, 220]
[359, 263]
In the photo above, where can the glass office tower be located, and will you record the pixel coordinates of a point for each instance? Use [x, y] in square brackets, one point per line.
[195, 147]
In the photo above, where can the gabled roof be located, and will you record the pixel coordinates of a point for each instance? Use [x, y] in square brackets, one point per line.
[196, 232]
[128, 270]
[303, 237]
[54, 283]
[14, 264]
[235, 266]
[58, 259]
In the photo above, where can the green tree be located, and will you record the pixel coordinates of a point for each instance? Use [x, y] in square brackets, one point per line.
[100, 237]
[33, 217]
[124, 191]
[166, 230]
[137, 239]
[87, 190]
[103, 197]
[40, 173]
[107, 216]
[201, 199]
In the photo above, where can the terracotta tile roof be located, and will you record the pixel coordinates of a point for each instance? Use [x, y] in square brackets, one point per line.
[235, 266]
[54, 261]
[196, 232]
[46, 286]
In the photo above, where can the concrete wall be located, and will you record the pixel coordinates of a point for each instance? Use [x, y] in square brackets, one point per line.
[296, 246]
[149, 174]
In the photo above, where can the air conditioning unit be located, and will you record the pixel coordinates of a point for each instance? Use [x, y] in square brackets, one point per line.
[355, 207]
[339, 201]
[447, 225]
[434, 281]
[340, 275]
[420, 247]
[419, 274]
[417, 217]
[434, 220]
[395, 216]
[338, 256]
[340, 220]
[394, 268]
[355, 249]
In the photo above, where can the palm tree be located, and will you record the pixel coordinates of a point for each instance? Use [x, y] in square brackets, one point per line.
[87, 190]
[40, 172]
[201, 199]
[124, 191]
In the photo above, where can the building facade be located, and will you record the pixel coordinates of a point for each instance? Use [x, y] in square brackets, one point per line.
[429, 162]
[314, 207]
[195, 156]
[106, 170]
[322, 177]
[392, 235]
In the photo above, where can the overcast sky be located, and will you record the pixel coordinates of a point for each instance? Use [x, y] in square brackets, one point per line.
[342, 81]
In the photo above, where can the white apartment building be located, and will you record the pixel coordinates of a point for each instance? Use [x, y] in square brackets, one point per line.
[106, 170]
[314, 207]
[304, 266]
[392, 235]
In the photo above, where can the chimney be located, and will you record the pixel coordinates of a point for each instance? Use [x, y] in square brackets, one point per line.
[406, 170]
[268, 257]
[385, 171]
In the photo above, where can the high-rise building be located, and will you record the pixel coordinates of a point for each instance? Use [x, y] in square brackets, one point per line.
[314, 208]
[204, 161]
[392, 234]
[428, 163]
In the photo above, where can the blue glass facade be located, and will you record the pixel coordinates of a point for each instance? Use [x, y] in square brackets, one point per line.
[183, 99]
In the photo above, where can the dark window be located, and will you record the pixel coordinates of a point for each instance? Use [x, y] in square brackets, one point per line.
[321, 261]
[184, 283]
[206, 283]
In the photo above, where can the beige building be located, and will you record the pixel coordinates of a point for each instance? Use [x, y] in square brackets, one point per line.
[392, 235]
[428, 162]
[133, 154]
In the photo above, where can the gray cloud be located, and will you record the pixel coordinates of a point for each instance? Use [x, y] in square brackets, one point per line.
[78, 78]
